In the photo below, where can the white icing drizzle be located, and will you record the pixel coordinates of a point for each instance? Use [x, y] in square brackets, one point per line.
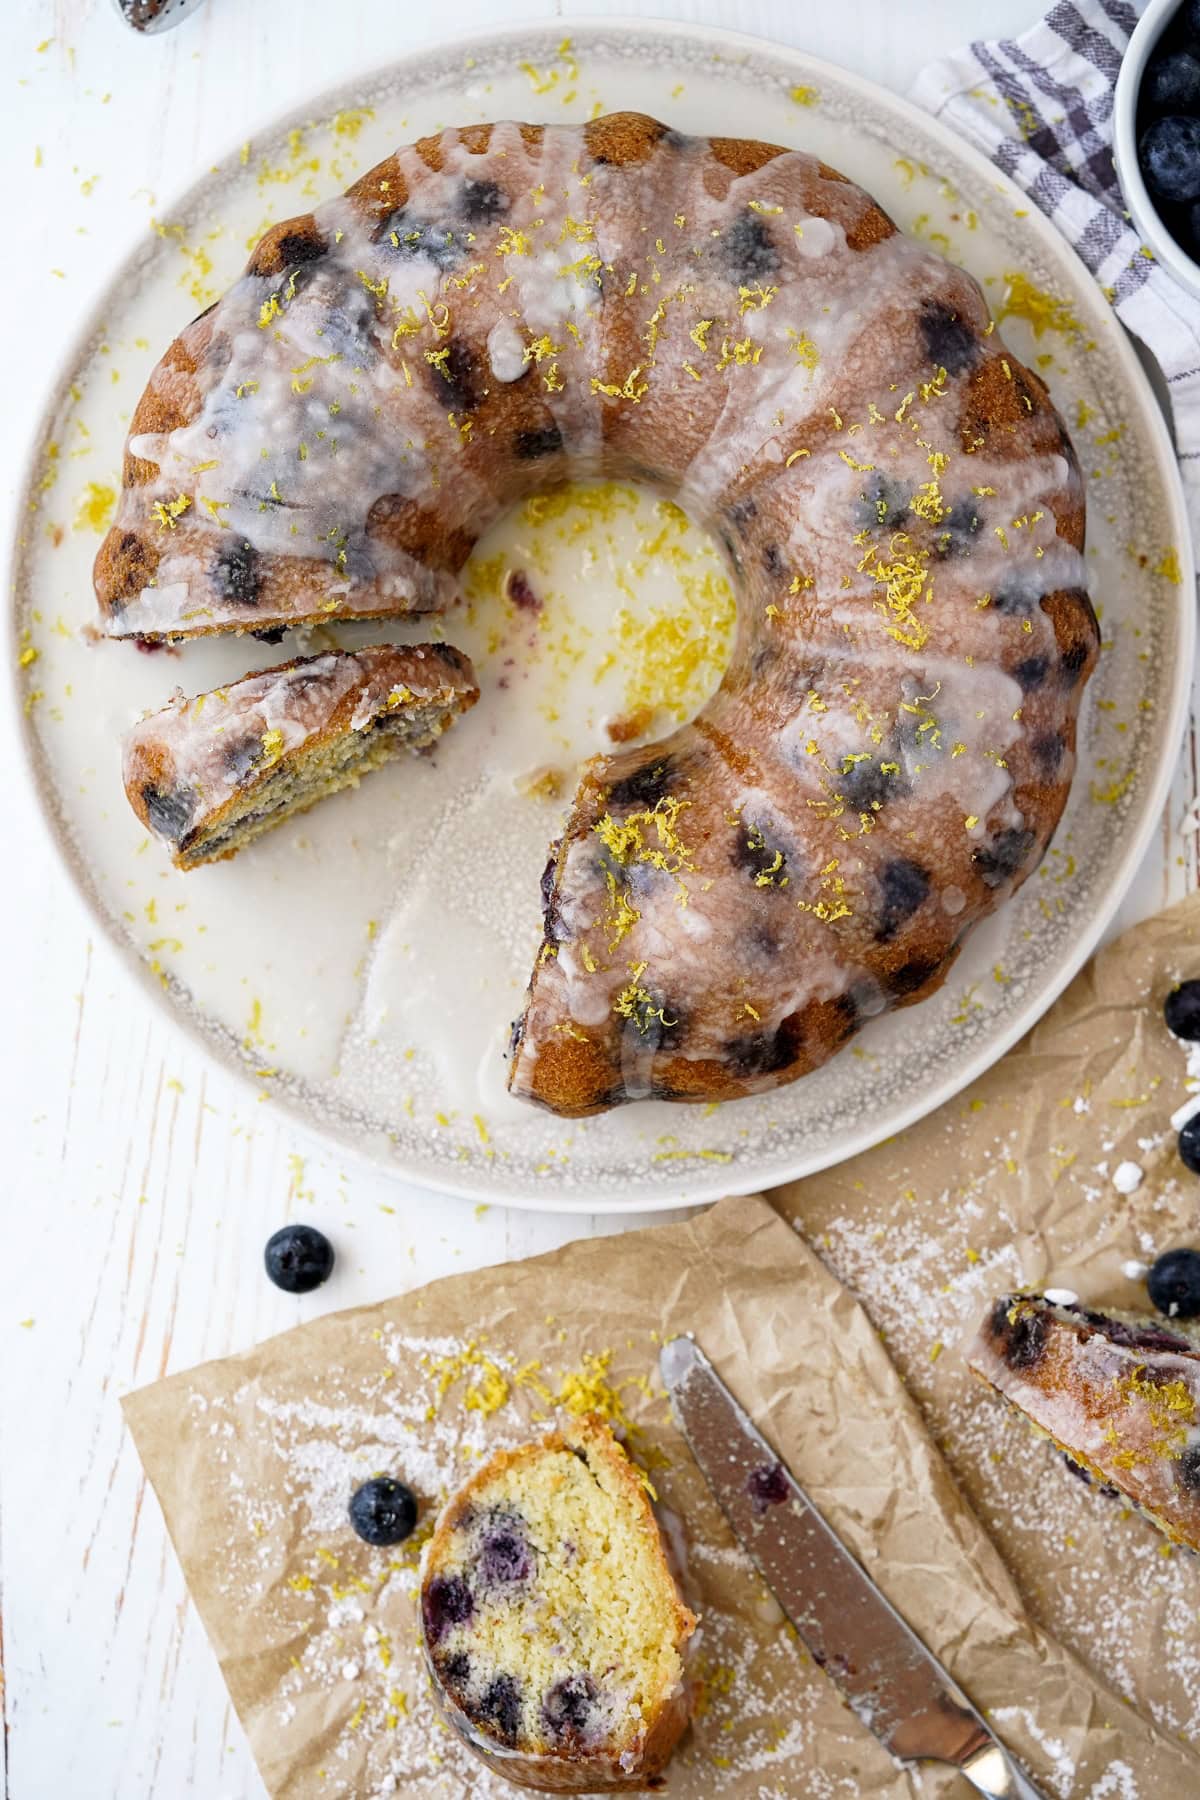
[784, 369]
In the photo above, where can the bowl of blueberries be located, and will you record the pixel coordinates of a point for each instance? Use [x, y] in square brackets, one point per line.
[1156, 135]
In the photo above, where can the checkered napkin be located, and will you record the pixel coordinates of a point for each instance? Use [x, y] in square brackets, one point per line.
[1040, 106]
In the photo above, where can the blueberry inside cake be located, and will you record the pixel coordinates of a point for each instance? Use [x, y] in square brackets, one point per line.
[551, 1619]
[208, 775]
[1120, 1396]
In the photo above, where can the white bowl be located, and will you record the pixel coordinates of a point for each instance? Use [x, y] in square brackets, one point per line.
[1142, 45]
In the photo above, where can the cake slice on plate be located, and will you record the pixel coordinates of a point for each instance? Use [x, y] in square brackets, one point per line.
[208, 775]
[551, 1620]
[1119, 1396]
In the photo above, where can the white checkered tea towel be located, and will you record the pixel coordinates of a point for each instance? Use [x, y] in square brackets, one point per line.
[1040, 107]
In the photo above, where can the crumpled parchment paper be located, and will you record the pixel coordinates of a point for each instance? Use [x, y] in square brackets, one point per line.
[254, 1457]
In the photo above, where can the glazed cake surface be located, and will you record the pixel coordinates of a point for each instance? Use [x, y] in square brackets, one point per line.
[207, 775]
[551, 1621]
[498, 308]
[1120, 1396]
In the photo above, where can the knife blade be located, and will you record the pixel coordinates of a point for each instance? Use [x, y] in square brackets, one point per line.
[895, 1685]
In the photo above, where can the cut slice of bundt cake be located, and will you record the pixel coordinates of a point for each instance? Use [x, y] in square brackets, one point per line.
[551, 1620]
[209, 774]
[1119, 1396]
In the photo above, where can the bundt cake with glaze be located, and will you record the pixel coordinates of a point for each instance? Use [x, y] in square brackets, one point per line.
[1119, 1396]
[500, 307]
[210, 774]
[552, 1625]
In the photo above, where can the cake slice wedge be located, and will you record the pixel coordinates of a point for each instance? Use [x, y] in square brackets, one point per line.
[209, 774]
[1120, 1396]
[551, 1621]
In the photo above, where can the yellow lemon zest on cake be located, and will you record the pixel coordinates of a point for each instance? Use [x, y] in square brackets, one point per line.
[739, 354]
[1171, 1407]
[302, 387]
[804, 350]
[639, 1006]
[771, 874]
[650, 835]
[272, 747]
[168, 511]
[513, 242]
[629, 389]
[903, 575]
[833, 903]
[755, 298]
[620, 917]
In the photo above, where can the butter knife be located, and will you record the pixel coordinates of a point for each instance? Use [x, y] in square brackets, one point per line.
[896, 1687]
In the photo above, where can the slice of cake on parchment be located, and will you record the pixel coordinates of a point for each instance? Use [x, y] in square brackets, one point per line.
[551, 1620]
[1119, 1396]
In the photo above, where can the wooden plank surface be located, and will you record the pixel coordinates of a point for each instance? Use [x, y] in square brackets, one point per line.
[141, 1183]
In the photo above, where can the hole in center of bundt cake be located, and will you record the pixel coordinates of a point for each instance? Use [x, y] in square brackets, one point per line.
[603, 609]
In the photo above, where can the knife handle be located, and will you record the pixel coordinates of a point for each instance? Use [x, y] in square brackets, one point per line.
[994, 1775]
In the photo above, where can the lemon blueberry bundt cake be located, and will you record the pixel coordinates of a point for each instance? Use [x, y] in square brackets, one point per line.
[551, 1620]
[1120, 1397]
[207, 775]
[500, 307]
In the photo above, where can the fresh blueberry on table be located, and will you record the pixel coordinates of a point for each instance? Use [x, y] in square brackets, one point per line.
[383, 1511]
[1174, 1284]
[1169, 152]
[298, 1258]
[1181, 1009]
[1189, 1144]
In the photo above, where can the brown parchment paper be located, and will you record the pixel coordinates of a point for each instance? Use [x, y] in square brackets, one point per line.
[1008, 1185]
[254, 1457]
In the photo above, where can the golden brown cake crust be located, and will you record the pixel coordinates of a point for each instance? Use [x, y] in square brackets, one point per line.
[571, 1770]
[893, 742]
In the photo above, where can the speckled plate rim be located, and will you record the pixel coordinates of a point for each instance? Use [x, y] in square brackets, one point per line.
[712, 1183]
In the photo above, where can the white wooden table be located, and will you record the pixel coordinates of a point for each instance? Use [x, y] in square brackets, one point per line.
[142, 1182]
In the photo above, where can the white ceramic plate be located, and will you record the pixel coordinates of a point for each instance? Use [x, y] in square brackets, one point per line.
[305, 964]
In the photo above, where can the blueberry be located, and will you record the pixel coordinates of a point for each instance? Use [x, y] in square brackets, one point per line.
[504, 1557]
[1169, 153]
[1187, 1469]
[500, 1705]
[1081, 1474]
[447, 1603]
[298, 1258]
[568, 1705]
[1172, 84]
[1174, 1282]
[1189, 1144]
[169, 810]
[1181, 1010]
[768, 1486]
[383, 1511]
